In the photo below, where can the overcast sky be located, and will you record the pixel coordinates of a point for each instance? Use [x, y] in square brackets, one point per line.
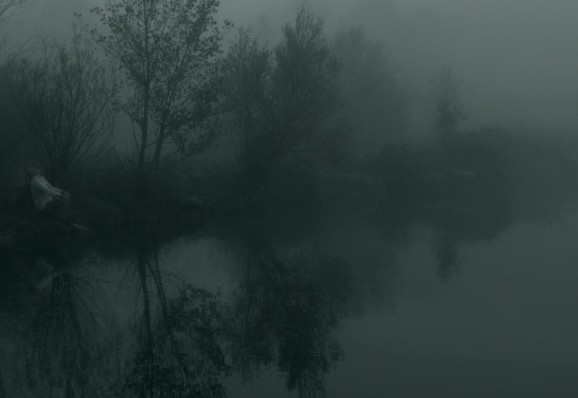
[518, 59]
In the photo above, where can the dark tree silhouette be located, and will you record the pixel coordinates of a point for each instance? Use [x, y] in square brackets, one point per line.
[169, 54]
[283, 102]
[66, 102]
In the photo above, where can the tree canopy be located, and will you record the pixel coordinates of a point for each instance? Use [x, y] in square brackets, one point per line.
[169, 53]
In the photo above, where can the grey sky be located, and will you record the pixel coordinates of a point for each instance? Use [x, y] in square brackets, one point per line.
[518, 59]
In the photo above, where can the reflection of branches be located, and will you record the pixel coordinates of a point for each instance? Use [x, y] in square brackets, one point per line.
[448, 261]
[65, 99]
[288, 312]
[61, 353]
[178, 353]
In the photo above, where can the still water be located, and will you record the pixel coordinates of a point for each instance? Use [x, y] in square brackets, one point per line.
[335, 309]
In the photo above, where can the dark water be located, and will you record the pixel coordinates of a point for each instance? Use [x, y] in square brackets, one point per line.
[336, 310]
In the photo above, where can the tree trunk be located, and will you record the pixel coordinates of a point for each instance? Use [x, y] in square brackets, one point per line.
[158, 149]
[142, 172]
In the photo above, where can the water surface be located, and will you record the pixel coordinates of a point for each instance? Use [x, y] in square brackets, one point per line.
[334, 309]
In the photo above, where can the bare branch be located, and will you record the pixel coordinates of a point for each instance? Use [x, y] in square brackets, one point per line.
[6, 7]
[66, 96]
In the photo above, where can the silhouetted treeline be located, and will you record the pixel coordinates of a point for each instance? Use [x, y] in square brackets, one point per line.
[150, 115]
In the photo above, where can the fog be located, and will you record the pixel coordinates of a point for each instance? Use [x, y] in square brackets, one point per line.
[517, 58]
[329, 198]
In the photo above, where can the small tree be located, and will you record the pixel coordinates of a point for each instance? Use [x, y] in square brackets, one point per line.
[444, 88]
[169, 52]
[66, 99]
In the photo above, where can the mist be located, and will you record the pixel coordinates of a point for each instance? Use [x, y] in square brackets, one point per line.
[516, 57]
[312, 198]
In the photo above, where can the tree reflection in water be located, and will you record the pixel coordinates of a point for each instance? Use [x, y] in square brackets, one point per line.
[447, 257]
[285, 310]
[177, 351]
[60, 352]
[183, 340]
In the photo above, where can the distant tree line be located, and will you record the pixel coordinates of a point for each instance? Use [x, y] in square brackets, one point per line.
[161, 65]
[126, 105]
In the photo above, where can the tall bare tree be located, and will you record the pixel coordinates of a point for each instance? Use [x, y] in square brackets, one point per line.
[169, 53]
[66, 96]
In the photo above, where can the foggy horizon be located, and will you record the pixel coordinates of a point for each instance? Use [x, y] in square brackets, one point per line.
[515, 58]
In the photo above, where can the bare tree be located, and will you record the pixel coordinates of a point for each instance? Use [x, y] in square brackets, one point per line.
[66, 96]
[169, 53]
